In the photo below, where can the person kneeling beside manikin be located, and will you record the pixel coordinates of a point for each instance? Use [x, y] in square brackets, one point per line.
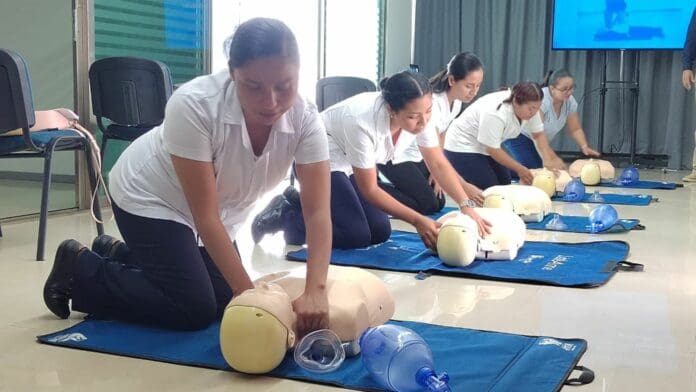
[459, 242]
[258, 326]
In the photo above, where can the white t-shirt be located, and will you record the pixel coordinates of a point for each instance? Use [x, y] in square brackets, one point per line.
[483, 125]
[204, 122]
[441, 118]
[554, 123]
[359, 136]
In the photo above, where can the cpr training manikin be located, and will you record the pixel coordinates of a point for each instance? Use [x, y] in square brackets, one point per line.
[530, 203]
[592, 171]
[258, 326]
[550, 182]
[459, 242]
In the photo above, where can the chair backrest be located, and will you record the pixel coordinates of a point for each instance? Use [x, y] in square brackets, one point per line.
[129, 90]
[334, 89]
[16, 105]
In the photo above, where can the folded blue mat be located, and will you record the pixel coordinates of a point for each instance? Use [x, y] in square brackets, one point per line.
[581, 224]
[643, 185]
[588, 264]
[475, 360]
[612, 198]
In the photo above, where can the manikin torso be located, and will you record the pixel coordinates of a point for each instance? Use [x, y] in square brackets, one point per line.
[357, 298]
[530, 203]
[606, 169]
[561, 177]
[459, 242]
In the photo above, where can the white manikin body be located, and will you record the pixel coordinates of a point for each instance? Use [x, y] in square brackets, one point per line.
[530, 203]
[606, 169]
[459, 242]
[562, 178]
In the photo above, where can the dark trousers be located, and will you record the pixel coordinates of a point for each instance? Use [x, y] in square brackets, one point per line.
[523, 151]
[166, 279]
[409, 185]
[356, 222]
[479, 169]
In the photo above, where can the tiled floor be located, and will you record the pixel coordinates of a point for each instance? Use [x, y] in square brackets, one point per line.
[641, 327]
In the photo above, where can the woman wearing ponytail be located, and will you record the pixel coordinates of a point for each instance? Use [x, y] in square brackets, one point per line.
[410, 181]
[473, 143]
[558, 109]
[364, 131]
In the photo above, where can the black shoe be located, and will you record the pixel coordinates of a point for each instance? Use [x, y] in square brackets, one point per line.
[58, 288]
[109, 247]
[270, 220]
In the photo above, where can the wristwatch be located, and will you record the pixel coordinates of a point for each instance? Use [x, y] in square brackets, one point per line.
[467, 203]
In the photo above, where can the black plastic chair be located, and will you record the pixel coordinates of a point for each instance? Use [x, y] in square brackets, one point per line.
[131, 93]
[17, 112]
[334, 89]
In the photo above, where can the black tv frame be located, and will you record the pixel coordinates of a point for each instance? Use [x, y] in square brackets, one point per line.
[553, 47]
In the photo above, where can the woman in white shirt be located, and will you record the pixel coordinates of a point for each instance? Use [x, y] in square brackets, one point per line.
[410, 181]
[558, 109]
[364, 131]
[182, 190]
[473, 141]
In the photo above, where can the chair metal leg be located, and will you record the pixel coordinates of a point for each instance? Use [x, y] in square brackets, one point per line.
[93, 184]
[43, 214]
[103, 148]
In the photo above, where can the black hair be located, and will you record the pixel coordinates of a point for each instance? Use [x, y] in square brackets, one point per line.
[552, 77]
[258, 38]
[524, 92]
[459, 67]
[403, 87]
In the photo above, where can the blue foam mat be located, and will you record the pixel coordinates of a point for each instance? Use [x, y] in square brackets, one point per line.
[612, 198]
[642, 185]
[588, 264]
[475, 360]
[581, 224]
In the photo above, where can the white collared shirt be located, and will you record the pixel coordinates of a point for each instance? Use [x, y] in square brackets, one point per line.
[441, 118]
[204, 122]
[359, 135]
[484, 124]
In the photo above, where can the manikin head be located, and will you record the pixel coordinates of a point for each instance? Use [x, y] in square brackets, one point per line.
[546, 181]
[530, 203]
[257, 329]
[606, 169]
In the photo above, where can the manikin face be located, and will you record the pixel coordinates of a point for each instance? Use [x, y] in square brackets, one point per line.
[267, 88]
[466, 89]
[526, 110]
[414, 116]
[563, 89]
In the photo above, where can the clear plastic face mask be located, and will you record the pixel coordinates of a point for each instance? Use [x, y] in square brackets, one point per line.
[320, 352]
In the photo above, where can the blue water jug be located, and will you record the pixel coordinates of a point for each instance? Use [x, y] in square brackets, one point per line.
[629, 176]
[400, 360]
[602, 218]
[574, 190]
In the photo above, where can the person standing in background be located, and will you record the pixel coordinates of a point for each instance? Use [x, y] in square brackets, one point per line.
[688, 56]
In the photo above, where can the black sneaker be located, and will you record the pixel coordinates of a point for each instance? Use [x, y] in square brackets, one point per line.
[110, 247]
[58, 288]
[271, 219]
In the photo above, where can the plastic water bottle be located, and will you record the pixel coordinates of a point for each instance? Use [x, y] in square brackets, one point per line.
[400, 360]
[602, 218]
[574, 190]
[629, 176]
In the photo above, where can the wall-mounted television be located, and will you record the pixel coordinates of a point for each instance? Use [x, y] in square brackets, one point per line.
[620, 24]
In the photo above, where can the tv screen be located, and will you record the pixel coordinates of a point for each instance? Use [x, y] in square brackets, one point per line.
[620, 24]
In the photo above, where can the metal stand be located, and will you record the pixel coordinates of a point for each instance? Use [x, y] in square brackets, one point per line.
[622, 85]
